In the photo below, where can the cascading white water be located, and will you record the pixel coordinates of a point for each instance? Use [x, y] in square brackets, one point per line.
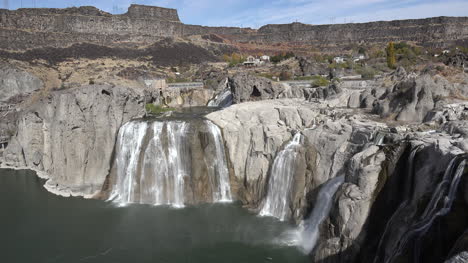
[281, 177]
[218, 167]
[306, 235]
[129, 142]
[439, 205]
[223, 99]
[406, 194]
[310, 233]
[154, 161]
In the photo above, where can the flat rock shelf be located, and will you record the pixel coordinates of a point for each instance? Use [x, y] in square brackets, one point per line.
[38, 226]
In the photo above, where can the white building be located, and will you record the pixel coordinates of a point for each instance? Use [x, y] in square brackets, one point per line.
[253, 61]
[265, 58]
[339, 59]
[359, 57]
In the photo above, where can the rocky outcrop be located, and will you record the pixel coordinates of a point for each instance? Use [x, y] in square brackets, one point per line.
[70, 136]
[16, 83]
[323, 93]
[255, 131]
[408, 97]
[312, 68]
[247, 87]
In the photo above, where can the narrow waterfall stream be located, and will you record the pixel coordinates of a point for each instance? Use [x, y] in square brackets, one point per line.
[306, 235]
[281, 177]
[439, 205]
[310, 232]
[222, 99]
[170, 161]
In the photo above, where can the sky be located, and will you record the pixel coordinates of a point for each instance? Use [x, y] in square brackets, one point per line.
[256, 13]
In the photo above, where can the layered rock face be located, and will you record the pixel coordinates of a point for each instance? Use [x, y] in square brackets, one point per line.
[32, 28]
[70, 135]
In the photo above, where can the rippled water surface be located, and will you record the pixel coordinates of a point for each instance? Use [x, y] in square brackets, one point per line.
[37, 226]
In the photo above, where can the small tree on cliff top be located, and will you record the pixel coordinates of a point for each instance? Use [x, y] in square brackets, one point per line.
[391, 60]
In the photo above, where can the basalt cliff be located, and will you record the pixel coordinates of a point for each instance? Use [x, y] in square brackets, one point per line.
[24, 29]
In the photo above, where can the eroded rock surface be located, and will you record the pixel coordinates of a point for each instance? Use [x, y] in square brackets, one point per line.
[15, 83]
[70, 135]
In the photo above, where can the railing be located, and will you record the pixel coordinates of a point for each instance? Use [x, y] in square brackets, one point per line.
[186, 85]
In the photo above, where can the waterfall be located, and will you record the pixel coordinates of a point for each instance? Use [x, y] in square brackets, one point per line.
[439, 205]
[153, 163]
[310, 232]
[407, 198]
[130, 142]
[219, 166]
[379, 138]
[224, 98]
[281, 178]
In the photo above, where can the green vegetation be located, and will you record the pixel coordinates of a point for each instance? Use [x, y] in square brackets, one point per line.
[267, 75]
[280, 57]
[305, 78]
[323, 58]
[366, 73]
[319, 81]
[391, 59]
[362, 50]
[177, 80]
[234, 59]
[156, 109]
[463, 50]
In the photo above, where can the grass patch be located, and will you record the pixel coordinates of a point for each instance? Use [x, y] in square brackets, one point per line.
[156, 109]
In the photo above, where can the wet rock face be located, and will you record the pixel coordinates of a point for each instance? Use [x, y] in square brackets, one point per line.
[255, 132]
[163, 161]
[460, 258]
[16, 83]
[70, 135]
[382, 201]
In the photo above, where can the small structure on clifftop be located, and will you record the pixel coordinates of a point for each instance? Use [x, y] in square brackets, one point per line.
[156, 83]
[253, 61]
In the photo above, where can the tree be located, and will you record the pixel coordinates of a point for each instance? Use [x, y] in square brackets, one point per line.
[391, 60]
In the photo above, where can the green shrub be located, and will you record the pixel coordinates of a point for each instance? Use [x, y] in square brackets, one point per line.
[391, 59]
[320, 81]
[281, 57]
[234, 59]
[156, 109]
[267, 75]
[305, 78]
[367, 73]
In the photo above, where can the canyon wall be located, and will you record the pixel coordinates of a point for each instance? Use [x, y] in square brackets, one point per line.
[33, 28]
